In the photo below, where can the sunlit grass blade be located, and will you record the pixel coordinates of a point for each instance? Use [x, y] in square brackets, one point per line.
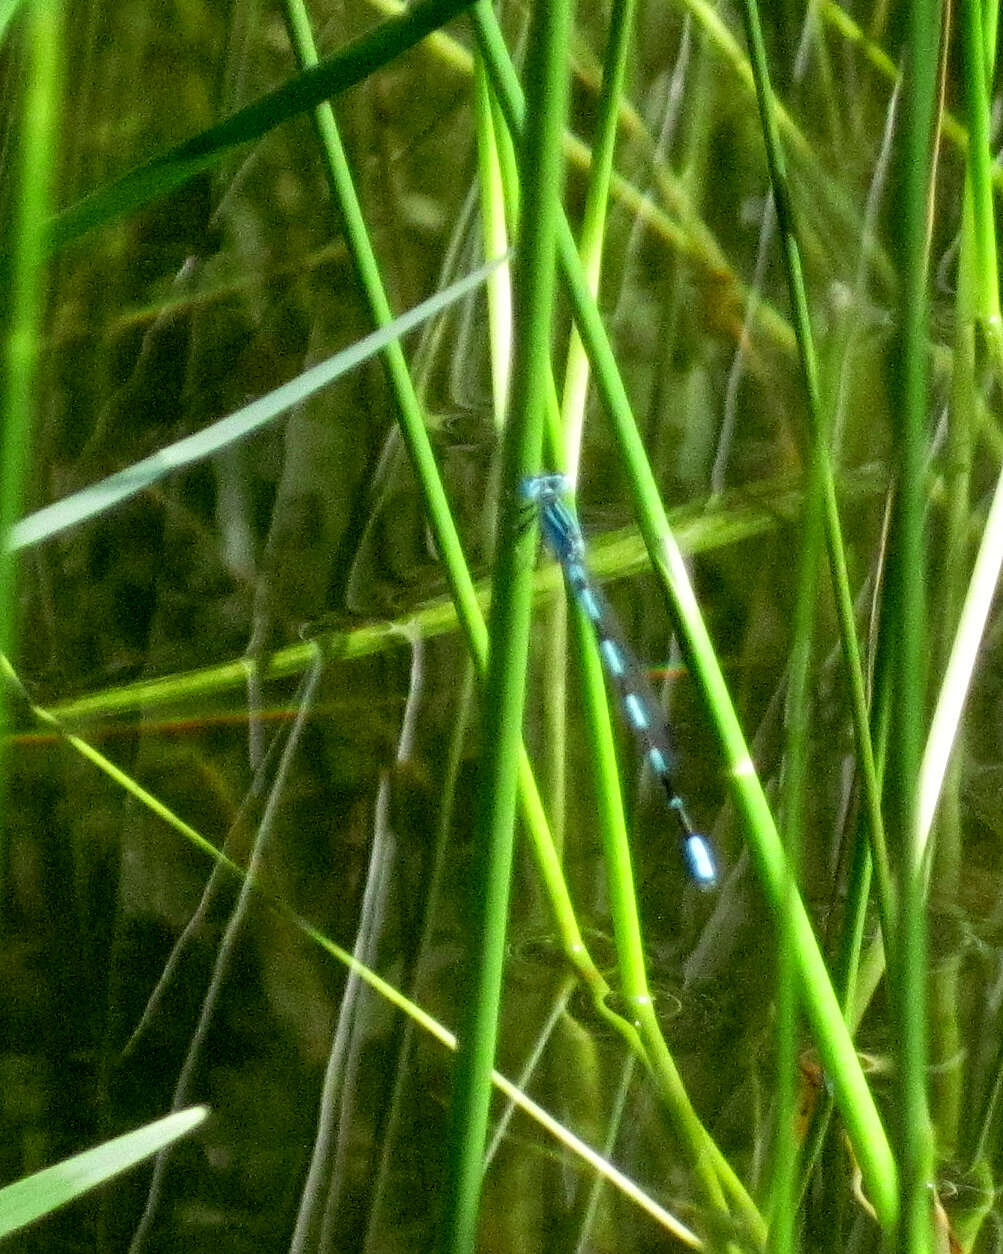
[27, 1200]
[100, 497]
[703, 531]
[308, 89]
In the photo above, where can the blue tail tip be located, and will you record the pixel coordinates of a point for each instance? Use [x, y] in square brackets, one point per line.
[700, 861]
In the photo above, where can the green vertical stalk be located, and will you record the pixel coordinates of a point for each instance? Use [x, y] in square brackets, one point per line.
[797, 741]
[906, 619]
[974, 302]
[961, 612]
[833, 532]
[980, 277]
[494, 230]
[978, 324]
[540, 170]
[712, 1172]
[590, 244]
[565, 455]
[42, 44]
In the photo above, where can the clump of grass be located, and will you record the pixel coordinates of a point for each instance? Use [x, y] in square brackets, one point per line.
[709, 304]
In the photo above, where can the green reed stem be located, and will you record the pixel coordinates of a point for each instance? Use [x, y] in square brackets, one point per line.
[816, 429]
[905, 618]
[593, 230]
[798, 725]
[981, 274]
[40, 123]
[541, 169]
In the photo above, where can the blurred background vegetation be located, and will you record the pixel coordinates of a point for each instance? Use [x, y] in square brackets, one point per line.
[174, 315]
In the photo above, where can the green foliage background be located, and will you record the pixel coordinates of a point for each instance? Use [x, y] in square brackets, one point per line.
[182, 632]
